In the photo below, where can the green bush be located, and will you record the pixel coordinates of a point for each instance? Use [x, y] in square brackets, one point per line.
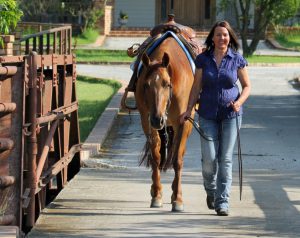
[87, 37]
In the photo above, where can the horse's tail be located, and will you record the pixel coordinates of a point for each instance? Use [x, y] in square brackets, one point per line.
[166, 162]
[146, 156]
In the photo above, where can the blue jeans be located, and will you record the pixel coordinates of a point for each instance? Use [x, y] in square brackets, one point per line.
[217, 158]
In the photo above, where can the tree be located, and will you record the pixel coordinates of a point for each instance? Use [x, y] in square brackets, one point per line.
[87, 11]
[10, 14]
[84, 13]
[266, 13]
[35, 10]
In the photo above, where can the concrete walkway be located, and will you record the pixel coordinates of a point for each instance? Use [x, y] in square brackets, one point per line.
[110, 196]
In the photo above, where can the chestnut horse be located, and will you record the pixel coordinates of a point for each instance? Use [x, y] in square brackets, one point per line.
[162, 94]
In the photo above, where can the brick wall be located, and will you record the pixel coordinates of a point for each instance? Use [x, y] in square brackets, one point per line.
[7, 47]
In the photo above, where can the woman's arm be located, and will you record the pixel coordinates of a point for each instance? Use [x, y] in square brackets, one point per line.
[194, 94]
[246, 87]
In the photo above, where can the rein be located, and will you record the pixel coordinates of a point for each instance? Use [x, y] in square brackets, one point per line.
[165, 121]
[240, 160]
[200, 131]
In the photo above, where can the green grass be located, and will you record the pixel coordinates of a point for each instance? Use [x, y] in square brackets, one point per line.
[93, 97]
[102, 56]
[273, 59]
[288, 37]
[88, 37]
[289, 40]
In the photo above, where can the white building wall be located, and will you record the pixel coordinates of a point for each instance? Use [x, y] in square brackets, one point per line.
[141, 13]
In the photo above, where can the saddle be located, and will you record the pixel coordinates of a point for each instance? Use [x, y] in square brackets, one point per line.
[185, 34]
[171, 25]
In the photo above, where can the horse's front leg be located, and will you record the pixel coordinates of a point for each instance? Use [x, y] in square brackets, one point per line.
[181, 135]
[156, 187]
[153, 141]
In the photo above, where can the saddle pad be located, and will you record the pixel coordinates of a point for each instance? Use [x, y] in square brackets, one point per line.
[160, 40]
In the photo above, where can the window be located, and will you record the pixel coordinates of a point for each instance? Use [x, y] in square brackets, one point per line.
[164, 9]
[207, 9]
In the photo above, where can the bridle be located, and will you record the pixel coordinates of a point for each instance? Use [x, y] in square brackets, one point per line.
[165, 118]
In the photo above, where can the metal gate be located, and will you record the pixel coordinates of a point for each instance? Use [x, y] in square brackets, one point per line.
[39, 130]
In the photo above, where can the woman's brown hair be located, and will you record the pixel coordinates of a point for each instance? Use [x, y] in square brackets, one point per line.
[233, 43]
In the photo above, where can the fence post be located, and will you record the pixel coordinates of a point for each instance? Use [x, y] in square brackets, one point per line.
[32, 138]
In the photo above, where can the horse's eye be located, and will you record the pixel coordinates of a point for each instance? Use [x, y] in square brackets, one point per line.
[166, 84]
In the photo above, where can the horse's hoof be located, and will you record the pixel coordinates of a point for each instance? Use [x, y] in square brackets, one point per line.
[177, 207]
[156, 203]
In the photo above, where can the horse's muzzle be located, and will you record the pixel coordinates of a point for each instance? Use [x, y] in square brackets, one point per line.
[157, 122]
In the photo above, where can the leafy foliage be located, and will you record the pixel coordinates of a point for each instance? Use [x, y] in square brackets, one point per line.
[123, 15]
[85, 9]
[10, 14]
[36, 9]
[84, 12]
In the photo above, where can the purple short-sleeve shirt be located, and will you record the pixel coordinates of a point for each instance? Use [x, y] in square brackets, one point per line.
[219, 86]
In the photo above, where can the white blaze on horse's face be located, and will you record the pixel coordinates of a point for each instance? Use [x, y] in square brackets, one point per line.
[157, 91]
[157, 78]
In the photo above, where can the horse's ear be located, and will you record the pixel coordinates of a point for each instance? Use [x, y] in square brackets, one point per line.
[165, 60]
[145, 59]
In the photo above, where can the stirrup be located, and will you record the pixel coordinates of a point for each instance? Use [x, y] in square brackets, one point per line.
[123, 101]
[133, 50]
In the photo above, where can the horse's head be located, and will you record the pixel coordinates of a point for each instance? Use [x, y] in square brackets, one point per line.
[157, 89]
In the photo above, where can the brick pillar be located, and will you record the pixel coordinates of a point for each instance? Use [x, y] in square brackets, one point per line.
[7, 47]
[17, 43]
[107, 20]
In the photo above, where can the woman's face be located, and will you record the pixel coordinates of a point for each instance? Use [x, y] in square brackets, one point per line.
[221, 37]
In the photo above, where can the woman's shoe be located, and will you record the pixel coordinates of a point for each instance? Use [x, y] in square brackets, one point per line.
[222, 212]
[210, 201]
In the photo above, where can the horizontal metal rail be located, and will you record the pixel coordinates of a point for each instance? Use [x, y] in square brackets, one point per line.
[53, 41]
[53, 30]
[8, 70]
[6, 144]
[7, 106]
[57, 167]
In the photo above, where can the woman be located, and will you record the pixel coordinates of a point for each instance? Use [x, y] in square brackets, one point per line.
[217, 71]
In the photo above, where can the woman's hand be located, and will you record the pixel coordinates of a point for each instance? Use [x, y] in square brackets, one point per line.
[184, 116]
[236, 106]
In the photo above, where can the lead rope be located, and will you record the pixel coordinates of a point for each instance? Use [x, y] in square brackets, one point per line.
[200, 131]
[239, 157]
